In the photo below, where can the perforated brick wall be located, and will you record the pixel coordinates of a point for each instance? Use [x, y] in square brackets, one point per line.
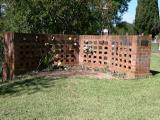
[128, 55]
[24, 51]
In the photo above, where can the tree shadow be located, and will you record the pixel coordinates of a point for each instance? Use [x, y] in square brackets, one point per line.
[153, 72]
[27, 86]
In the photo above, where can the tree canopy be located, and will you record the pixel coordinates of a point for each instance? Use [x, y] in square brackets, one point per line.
[147, 17]
[124, 28]
[63, 16]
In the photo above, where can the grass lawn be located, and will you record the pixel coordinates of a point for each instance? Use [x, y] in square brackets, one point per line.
[82, 98]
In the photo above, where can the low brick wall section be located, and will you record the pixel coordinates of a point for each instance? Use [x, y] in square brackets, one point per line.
[128, 55]
[24, 51]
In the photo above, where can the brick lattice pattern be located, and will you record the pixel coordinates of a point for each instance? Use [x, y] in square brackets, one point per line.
[128, 55]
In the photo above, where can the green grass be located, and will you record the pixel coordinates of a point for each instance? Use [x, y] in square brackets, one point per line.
[155, 47]
[82, 98]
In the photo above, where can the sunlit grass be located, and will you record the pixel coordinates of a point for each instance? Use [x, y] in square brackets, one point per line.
[82, 98]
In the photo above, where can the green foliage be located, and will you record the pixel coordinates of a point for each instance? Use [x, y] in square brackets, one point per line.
[124, 28]
[46, 61]
[155, 47]
[147, 17]
[63, 16]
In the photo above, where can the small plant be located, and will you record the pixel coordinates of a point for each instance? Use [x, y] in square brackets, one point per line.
[46, 61]
[51, 60]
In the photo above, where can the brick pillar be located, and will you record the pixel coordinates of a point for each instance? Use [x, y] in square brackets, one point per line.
[8, 66]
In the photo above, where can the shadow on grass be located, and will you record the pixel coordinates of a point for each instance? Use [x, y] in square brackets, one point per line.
[153, 72]
[27, 86]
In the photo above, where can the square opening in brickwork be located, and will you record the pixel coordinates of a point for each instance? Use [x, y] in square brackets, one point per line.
[89, 61]
[72, 56]
[129, 67]
[94, 61]
[62, 56]
[100, 47]
[89, 42]
[100, 62]
[95, 56]
[27, 64]
[67, 56]
[106, 48]
[27, 52]
[21, 47]
[21, 53]
[129, 61]
[105, 63]
[95, 42]
[100, 57]
[101, 42]
[100, 52]
[130, 50]
[105, 52]
[105, 58]
[72, 51]
[95, 47]
[72, 60]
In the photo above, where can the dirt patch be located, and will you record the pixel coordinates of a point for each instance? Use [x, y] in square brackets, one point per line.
[71, 74]
[75, 71]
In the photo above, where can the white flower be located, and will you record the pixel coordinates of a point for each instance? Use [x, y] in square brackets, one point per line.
[46, 44]
[70, 38]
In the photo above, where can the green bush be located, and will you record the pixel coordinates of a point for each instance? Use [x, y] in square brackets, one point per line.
[155, 47]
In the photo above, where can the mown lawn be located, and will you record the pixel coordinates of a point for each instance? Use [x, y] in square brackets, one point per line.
[82, 98]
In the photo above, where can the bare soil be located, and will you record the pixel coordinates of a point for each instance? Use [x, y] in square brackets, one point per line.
[74, 72]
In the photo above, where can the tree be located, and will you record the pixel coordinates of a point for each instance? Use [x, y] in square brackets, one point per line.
[147, 17]
[124, 28]
[63, 16]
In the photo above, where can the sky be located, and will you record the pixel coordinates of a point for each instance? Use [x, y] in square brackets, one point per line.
[130, 15]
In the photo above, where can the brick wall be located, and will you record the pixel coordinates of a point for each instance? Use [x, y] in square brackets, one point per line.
[120, 54]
